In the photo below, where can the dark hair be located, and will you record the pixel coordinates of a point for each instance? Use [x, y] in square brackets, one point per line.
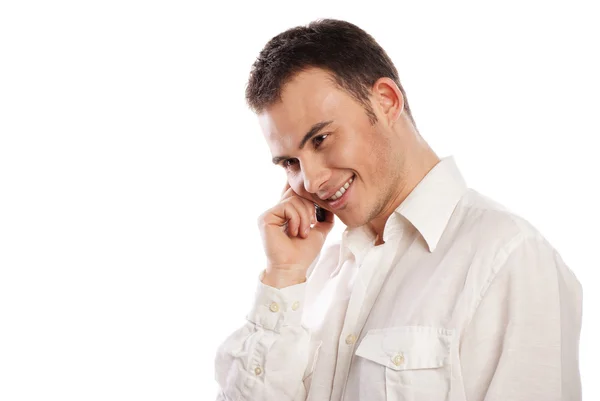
[352, 56]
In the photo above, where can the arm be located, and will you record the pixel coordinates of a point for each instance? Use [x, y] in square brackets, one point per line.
[523, 340]
[266, 359]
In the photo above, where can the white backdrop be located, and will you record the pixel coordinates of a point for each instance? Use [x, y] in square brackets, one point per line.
[132, 173]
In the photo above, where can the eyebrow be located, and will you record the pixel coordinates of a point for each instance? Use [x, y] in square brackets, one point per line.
[313, 131]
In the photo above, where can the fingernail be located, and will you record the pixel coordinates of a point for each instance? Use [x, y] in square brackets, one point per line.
[306, 231]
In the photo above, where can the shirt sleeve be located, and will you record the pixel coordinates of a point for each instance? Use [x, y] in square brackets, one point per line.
[266, 358]
[523, 340]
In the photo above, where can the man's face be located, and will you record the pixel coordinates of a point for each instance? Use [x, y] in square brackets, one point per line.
[343, 147]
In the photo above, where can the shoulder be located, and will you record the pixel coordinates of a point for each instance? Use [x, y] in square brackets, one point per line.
[492, 224]
[506, 241]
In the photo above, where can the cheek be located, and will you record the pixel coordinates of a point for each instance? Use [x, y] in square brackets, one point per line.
[379, 156]
[360, 159]
[343, 157]
[296, 182]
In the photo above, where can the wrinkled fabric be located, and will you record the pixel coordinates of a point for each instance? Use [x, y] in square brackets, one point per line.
[463, 301]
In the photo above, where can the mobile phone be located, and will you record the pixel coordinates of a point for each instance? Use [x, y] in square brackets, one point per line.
[320, 213]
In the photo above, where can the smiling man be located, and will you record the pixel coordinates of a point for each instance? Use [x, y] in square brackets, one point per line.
[434, 292]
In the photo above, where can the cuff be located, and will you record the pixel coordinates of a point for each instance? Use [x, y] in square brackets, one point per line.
[276, 308]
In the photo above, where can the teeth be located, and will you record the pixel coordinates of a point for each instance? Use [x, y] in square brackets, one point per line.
[341, 191]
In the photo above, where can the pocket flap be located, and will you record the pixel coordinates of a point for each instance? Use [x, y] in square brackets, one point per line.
[407, 347]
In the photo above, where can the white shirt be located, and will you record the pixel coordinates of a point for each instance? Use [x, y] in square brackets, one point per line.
[463, 301]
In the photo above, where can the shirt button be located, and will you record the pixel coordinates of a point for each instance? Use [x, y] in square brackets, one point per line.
[350, 339]
[295, 305]
[274, 307]
[257, 371]
[398, 360]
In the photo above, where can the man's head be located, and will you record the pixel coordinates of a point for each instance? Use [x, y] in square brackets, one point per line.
[332, 110]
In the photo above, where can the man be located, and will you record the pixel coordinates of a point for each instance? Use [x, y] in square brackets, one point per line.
[434, 292]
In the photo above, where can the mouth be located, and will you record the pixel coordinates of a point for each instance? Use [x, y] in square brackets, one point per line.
[341, 196]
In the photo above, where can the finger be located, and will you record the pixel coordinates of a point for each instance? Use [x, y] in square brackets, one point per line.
[309, 205]
[289, 193]
[303, 208]
[311, 210]
[293, 218]
[277, 215]
[285, 189]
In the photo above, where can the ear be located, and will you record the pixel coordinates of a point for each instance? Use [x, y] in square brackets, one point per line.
[388, 98]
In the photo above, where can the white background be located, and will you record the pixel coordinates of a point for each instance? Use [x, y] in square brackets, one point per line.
[132, 173]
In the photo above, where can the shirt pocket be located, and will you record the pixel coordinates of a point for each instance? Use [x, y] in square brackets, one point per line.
[415, 361]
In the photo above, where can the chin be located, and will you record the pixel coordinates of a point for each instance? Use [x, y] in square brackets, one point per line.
[352, 221]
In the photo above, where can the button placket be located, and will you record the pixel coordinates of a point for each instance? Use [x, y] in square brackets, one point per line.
[351, 339]
[274, 307]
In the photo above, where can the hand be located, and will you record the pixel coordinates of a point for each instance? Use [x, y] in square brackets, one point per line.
[289, 241]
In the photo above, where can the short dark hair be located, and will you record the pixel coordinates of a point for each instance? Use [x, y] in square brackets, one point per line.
[355, 60]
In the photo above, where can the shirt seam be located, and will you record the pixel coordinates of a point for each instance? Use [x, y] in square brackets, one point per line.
[498, 265]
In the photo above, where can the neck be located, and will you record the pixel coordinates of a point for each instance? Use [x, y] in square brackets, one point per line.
[415, 169]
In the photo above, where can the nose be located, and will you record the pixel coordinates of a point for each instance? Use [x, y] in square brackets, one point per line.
[314, 176]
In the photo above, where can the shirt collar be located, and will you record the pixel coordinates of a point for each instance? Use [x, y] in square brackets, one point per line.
[431, 203]
[428, 208]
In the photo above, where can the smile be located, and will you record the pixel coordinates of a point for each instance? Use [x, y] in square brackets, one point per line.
[339, 199]
[341, 191]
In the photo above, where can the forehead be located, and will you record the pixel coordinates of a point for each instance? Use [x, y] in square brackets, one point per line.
[308, 98]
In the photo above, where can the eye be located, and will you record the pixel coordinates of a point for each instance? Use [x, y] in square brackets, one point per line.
[318, 140]
[289, 163]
